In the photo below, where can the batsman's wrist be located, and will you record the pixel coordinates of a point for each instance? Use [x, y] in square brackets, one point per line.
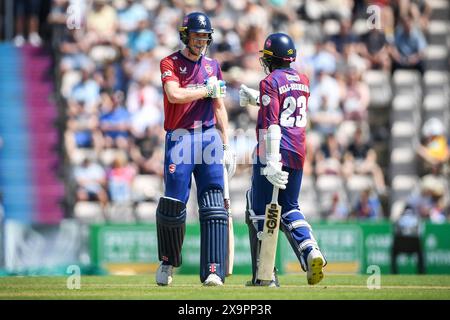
[274, 158]
[209, 91]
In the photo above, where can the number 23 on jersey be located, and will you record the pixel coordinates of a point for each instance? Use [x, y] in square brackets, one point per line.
[290, 104]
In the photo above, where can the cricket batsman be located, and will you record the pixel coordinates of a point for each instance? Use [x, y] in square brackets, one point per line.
[283, 100]
[193, 107]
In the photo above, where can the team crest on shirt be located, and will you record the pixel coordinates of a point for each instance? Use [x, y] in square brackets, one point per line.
[209, 69]
[265, 100]
[183, 70]
[172, 168]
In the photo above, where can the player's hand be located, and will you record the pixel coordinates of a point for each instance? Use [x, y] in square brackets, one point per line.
[274, 173]
[248, 96]
[215, 88]
[229, 160]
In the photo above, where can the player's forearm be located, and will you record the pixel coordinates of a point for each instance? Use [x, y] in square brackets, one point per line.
[222, 119]
[183, 95]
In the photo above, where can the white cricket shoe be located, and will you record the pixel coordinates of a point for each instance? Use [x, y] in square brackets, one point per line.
[19, 40]
[35, 39]
[164, 275]
[316, 262]
[213, 280]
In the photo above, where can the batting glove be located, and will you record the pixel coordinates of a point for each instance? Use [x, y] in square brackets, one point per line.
[248, 96]
[274, 173]
[215, 88]
[229, 160]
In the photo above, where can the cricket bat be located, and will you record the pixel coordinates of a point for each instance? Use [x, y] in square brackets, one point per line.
[269, 239]
[226, 200]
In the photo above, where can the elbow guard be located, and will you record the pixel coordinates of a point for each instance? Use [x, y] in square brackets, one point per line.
[273, 140]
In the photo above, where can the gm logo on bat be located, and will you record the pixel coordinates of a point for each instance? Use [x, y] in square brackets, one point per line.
[271, 222]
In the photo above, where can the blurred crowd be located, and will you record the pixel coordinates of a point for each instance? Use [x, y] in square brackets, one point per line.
[108, 55]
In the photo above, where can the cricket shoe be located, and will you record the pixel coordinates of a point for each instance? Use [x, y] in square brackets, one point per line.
[315, 264]
[213, 280]
[164, 275]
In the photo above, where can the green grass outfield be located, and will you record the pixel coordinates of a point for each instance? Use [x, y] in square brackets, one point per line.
[188, 287]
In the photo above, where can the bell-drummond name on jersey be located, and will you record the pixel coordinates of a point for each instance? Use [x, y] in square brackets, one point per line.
[293, 86]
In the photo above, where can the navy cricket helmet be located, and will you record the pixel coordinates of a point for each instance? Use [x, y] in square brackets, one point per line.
[279, 50]
[195, 22]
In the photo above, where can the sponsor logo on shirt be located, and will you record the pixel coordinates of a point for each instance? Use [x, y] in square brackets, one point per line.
[265, 100]
[292, 77]
[167, 73]
[183, 70]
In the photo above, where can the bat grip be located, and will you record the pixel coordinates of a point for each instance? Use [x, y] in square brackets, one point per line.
[275, 195]
[226, 190]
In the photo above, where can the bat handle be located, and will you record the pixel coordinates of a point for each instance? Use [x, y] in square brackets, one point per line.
[275, 195]
[226, 190]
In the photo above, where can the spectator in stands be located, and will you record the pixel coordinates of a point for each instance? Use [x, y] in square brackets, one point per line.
[323, 59]
[27, 15]
[329, 157]
[114, 121]
[253, 39]
[375, 49]
[120, 179]
[429, 201]
[143, 104]
[325, 113]
[142, 39]
[339, 210]
[57, 18]
[130, 15]
[361, 158]
[409, 49]
[252, 15]
[101, 21]
[226, 49]
[367, 206]
[82, 129]
[148, 154]
[344, 37]
[421, 11]
[87, 91]
[434, 149]
[73, 49]
[356, 98]
[90, 180]
[352, 59]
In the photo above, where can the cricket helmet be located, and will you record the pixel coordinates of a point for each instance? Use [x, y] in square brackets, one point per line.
[279, 49]
[195, 22]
